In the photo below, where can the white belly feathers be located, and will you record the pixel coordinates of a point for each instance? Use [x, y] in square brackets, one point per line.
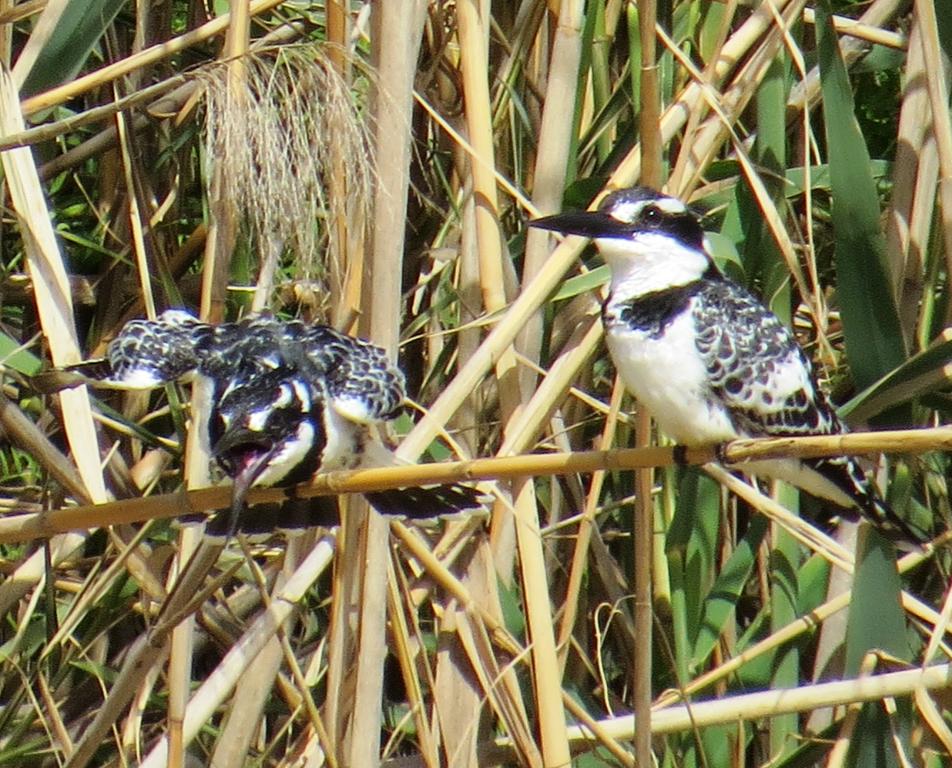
[668, 377]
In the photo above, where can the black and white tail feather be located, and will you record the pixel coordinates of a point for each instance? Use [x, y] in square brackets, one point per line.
[287, 400]
[709, 361]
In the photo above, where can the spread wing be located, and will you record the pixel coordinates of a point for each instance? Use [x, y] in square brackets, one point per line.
[149, 353]
[362, 383]
[358, 378]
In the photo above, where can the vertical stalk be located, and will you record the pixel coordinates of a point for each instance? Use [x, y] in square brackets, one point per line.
[650, 125]
[475, 67]
[6, 35]
[555, 141]
[584, 536]
[345, 270]
[472, 31]
[396, 34]
[54, 307]
[218, 249]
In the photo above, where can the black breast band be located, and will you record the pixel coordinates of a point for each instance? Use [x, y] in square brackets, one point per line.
[652, 312]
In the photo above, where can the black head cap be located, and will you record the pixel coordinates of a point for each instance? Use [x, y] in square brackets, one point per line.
[628, 211]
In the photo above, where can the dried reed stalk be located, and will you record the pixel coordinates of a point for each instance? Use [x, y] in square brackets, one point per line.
[40, 525]
[54, 305]
[218, 685]
[731, 709]
[130, 64]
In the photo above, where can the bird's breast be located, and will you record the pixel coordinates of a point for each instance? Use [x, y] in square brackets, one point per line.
[666, 374]
[294, 452]
[345, 441]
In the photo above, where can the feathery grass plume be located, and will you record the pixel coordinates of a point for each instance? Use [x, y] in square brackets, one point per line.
[294, 122]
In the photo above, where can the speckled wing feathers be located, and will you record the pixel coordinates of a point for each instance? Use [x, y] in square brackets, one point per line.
[150, 353]
[761, 375]
[361, 381]
[357, 375]
[756, 369]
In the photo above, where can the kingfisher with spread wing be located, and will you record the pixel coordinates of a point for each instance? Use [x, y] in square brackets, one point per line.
[288, 400]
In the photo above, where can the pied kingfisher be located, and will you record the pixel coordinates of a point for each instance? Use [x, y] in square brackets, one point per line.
[287, 400]
[709, 361]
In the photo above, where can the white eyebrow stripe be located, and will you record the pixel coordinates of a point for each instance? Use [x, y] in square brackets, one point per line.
[626, 211]
[670, 205]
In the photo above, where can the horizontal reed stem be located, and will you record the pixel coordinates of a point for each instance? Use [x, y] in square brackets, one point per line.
[45, 524]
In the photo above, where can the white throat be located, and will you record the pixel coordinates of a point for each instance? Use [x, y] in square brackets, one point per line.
[650, 262]
[292, 453]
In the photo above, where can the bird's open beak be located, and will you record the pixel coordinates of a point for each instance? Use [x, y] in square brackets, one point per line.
[584, 223]
[244, 456]
[242, 482]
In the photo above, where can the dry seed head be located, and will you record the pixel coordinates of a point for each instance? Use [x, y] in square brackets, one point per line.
[289, 123]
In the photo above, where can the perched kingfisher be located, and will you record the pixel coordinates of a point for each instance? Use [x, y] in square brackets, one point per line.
[288, 400]
[708, 360]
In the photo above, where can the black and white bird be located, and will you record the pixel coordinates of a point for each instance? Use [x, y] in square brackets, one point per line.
[287, 400]
[708, 360]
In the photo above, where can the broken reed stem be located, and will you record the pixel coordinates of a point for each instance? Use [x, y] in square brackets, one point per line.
[45, 524]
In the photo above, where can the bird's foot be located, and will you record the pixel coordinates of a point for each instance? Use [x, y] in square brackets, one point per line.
[680, 455]
[720, 452]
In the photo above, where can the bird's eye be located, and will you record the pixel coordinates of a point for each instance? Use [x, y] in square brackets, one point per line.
[651, 214]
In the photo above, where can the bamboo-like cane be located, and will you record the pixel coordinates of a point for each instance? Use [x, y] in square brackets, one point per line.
[36, 525]
[866, 32]
[217, 685]
[54, 306]
[730, 709]
[649, 122]
[473, 34]
[604, 730]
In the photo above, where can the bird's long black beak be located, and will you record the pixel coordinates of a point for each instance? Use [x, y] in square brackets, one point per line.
[242, 482]
[584, 223]
[244, 456]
